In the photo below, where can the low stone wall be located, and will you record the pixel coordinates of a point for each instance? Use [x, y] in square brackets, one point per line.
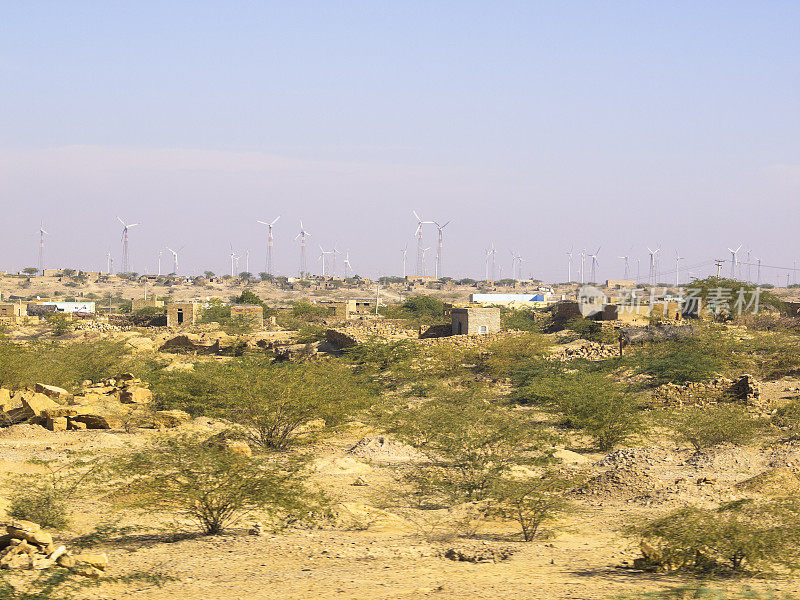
[744, 388]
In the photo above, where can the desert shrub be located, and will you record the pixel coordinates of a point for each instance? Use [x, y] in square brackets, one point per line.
[215, 312]
[469, 445]
[65, 365]
[310, 332]
[214, 487]
[587, 400]
[276, 405]
[45, 498]
[503, 357]
[59, 324]
[423, 306]
[531, 502]
[592, 330]
[707, 426]
[788, 417]
[693, 359]
[524, 319]
[744, 535]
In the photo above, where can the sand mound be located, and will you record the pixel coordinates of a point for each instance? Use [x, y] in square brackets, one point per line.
[27, 431]
[623, 484]
[383, 448]
[780, 481]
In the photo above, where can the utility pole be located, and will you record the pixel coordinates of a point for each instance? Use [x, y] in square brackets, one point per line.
[377, 297]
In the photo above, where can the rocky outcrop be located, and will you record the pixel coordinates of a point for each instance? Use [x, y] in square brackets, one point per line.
[26, 546]
[744, 388]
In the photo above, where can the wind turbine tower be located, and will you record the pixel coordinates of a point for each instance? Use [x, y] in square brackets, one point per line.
[569, 266]
[322, 258]
[583, 264]
[159, 263]
[678, 259]
[420, 251]
[174, 259]
[595, 263]
[42, 233]
[405, 252]
[270, 244]
[439, 249]
[652, 274]
[733, 260]
[109, 263]
[424, 268]
[125, 257]
[348, 268]
[302, 236]
[234, 258]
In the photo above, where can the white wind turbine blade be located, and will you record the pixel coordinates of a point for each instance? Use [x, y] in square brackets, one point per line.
[275, 220]
[121, 221]
[413, 212]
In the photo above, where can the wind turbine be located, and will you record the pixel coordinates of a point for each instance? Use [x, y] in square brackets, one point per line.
[322, 258]
[569, 266]
[583, 264]
[270, 243]
[594, 264]
[733, 260]
[234, 260]
[42, 233]
[302, 236]
[175, 258]
[333, 260]
[125, 227]
[652, 275]
[348, 268]
[418, 233]
[678, 259]
[424, 268]
[439, 249]
[109, 263]
[516, 265]
[405, 252]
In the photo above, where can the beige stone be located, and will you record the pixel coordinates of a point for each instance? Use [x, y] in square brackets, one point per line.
[56, 423]
[54, 392]
[5, 398]
[75, 425]
[136, 395]
[87, 571]
[173, 418]
[37, 404]
[66, 561]
[99, 561]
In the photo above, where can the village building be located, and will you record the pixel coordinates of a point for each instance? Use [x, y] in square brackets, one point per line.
[475, 320]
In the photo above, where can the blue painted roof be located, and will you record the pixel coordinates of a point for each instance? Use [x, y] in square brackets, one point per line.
[507, 297]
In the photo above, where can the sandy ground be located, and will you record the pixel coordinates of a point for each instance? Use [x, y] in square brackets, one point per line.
[379, 555]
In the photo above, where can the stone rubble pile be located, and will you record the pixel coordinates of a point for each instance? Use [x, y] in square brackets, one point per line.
[744, 388]
[112, 403]
[26, 546]
[586, 350]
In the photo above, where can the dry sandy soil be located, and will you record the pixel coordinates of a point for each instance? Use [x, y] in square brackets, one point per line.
[374, 553]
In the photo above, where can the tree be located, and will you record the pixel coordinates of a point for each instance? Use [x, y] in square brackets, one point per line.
[531, 502]
[30, 270]
[216, 487]
[245, 276]
[707, 426]
[588, 400]
[208, 274]
[469, 445]
[275, 406]
[740, 535]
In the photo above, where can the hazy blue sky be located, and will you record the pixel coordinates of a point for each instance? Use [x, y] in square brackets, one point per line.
[534, 125]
